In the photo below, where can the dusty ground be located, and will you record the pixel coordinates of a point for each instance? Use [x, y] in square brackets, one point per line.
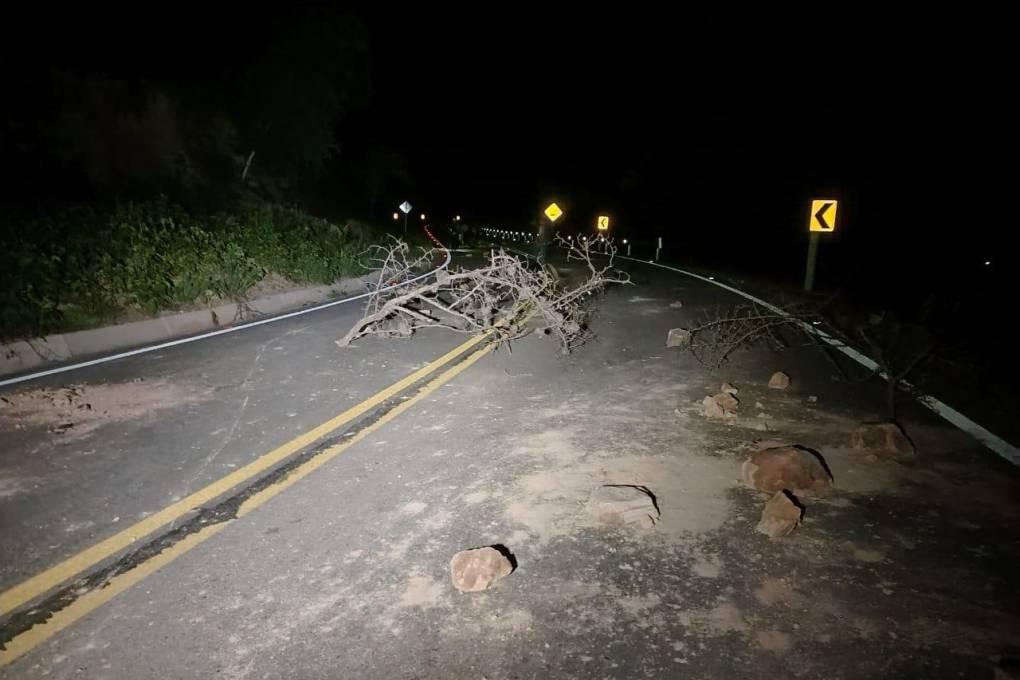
[76, 410]
[900, 570]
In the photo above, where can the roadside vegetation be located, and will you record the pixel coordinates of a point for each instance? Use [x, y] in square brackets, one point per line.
[80, 267]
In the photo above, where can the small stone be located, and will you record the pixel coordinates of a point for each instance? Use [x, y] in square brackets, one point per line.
[885, 440]
[781, 515]
[760, 406]
[678, 337]
[676, 305]
[722, 405]
[477, 569]
[779, 381]
[623, 504]
[812, 399]
[711, 409]
[786, 467]
[728, 388]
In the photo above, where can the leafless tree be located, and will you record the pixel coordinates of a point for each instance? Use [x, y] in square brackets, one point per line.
[724, 331]
[896, 348]
[498, 297]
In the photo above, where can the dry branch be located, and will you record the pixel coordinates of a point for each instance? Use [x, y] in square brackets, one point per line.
[497, 297]
[721, 334]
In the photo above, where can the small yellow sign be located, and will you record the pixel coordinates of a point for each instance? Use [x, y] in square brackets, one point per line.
[603, 222]
[553, 212]
[823, 215]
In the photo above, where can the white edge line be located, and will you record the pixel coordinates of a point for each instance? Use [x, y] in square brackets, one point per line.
[988, 438]
[211, 334]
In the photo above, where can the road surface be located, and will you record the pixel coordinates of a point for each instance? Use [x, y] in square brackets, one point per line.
[338, 565]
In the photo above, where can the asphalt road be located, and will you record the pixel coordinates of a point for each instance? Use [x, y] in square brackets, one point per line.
[903, 570]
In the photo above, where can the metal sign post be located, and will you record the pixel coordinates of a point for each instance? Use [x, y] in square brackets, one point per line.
[822, 218]
[812, 255]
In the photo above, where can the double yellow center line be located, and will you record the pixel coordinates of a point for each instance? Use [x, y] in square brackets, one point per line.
[42, 583]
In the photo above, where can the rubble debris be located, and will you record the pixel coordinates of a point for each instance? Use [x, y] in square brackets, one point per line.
[728, 388]
[812, 399]
[624, 504]
[722, 405]
[779, 381]
[786, 467]
[676, 305]
[886, 440]
[476, 569]
[781, 515]
[678, 337]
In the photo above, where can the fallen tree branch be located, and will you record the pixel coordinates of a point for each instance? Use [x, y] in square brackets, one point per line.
[496, 297]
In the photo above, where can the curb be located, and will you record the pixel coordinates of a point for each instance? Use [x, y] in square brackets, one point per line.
[23, 355]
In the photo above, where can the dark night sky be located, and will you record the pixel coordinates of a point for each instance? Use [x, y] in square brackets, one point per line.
[726, 128]
[700, 128]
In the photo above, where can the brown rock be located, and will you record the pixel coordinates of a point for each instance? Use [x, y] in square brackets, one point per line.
[678, 337]
[722, 405]
[477, 569]
[786, 467]
[729, 388]
[779, 381]
[624, 504]
[886, 440]
[781, 515]
[711, 409]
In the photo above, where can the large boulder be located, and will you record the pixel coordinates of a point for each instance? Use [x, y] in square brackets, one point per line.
[722, 405]
[885, 440]
[678, 337]
[623, 504]
[477, 569]
[781, 515]
[779, 381]
[786, 467]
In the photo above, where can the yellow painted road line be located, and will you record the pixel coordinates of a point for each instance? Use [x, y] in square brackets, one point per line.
[31, 638]
[64, 571]
[25, 642]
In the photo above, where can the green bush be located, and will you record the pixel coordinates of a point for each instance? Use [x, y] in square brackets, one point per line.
[79, 268]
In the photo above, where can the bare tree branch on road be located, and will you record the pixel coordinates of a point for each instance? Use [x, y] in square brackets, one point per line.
[498, 297]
